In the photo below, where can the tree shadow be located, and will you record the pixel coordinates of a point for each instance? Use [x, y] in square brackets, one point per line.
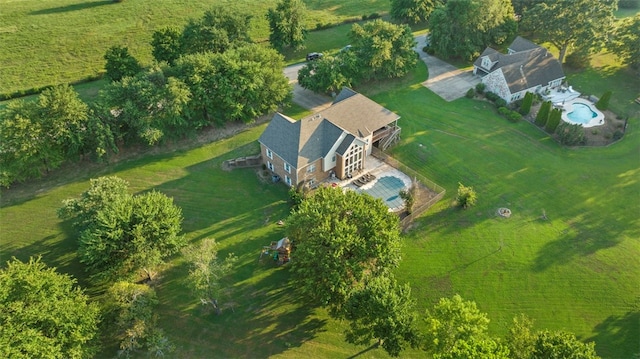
[73, 7]
[364, 351]
[618, 335]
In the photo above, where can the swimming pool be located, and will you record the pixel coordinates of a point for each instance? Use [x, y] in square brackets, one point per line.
[582, 113]
[387, 188]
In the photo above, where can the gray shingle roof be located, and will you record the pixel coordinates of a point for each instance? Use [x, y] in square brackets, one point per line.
[522, 44]
[344, 146]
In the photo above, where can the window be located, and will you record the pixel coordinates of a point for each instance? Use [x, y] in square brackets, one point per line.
[333, 159]
[287, 179]
[287, 167]
[311, 168]
[270, 165]
[269, 153]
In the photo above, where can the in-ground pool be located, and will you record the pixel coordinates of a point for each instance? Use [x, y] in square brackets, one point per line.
[582, 113]
[388, 189]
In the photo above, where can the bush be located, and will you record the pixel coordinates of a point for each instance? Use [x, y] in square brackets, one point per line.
[374, 15]
[553, 121]
[431, 51]
[500, 102]
[480, 87]
[543, 114]
[525, 107]
[570, 134]
[603, 102]
[470, 93]
[491, 96]
[466, 196]
[503, 111]
[617, 135]
[409, 199]
[514, 116]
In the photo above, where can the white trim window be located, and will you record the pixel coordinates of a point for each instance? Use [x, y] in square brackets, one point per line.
[269, 153]
[287, 180]
[287, 167]
[311, 168]
[270, 166]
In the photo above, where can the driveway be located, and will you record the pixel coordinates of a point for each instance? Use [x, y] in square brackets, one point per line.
[303, 97]
[445, 80]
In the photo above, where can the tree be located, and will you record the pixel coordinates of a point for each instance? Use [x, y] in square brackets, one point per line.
[486, 348]
[286, 24]
[132, 307]
[570, 134]
[625, 39]
[125, 234]
[603, 102]
[217, 31]
[467, 197]
[463, 28]
[526, 104]
[521, 337]
[453, 320]
[43, 314]
[561, 345]
[36, 137]
[166, 44]
[383, 50]
[342, 240]
[206, 271]
[239, 85]
[120, 64]
[148, 106]
[543, 114]
[324, 75]
[553, 121]
[585, 24]
[413, 11]
[384, 311]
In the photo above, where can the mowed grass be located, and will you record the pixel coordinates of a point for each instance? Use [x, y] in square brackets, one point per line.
[577, 270]
[58, 41]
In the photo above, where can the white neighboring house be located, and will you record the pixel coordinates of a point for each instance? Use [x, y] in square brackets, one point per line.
[526, 67]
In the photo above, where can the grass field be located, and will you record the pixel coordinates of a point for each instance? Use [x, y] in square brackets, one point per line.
[57, 41]
[577, 270]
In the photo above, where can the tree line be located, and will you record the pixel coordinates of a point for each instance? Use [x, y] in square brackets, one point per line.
[208, 73]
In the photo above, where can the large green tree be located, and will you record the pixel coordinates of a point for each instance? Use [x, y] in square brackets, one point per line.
[286, 24]
[383, 311]
[413, 11]
[521, 337]
[120, 63]
[584, 24]
[383, 50]
[485, 348]
[147, 107]
[36, 137]
[206, 271]
[325, 75]
[43, 314]
[166, 44]
[626, 39]
[342, 240]
[122, 234]
[218, 30]
[238, 85]
[561, 345]
[452, 320]
[463, 28]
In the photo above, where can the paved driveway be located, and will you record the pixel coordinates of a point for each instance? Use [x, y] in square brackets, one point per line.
[445, 80]
[303, 97]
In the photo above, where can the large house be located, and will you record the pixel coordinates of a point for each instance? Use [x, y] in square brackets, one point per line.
[526, 67]
[334, 142]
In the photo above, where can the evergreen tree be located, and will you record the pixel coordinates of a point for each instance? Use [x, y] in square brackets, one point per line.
[554, 120]
[603, 102]
[526, 104]
[543, 114]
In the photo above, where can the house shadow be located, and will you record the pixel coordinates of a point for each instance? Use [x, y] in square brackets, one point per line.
[69, 8]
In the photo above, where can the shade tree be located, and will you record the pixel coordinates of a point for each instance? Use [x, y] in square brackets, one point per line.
[413, 11]
[119, 63]
[325, 75]
[44, 314]
[286, 24]
[625, 39]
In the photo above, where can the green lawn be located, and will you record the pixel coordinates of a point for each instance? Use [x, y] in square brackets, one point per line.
[577, 270]
[58, 41]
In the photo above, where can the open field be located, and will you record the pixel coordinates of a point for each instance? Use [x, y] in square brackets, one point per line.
[577, 270]
[57, 41]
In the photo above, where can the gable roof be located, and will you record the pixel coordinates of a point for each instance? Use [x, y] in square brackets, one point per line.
[351, 115]
[524, 69]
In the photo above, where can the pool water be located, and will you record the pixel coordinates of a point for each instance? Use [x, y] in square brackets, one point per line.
[581, 113]
[388, 189]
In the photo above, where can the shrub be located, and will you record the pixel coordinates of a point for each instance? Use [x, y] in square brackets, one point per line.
[480, 87]
[603, 102]
[617, 135]
[491, 96]
[500, 102]
[553, 121]
[470, 93]
[543, 114]
[466, 196]
[426, 49]
[570, 134]
[409, 199]
[431, 51]
[525, 107]
[296, 196]
[514, 116]
[374, 15]
[503, 111]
